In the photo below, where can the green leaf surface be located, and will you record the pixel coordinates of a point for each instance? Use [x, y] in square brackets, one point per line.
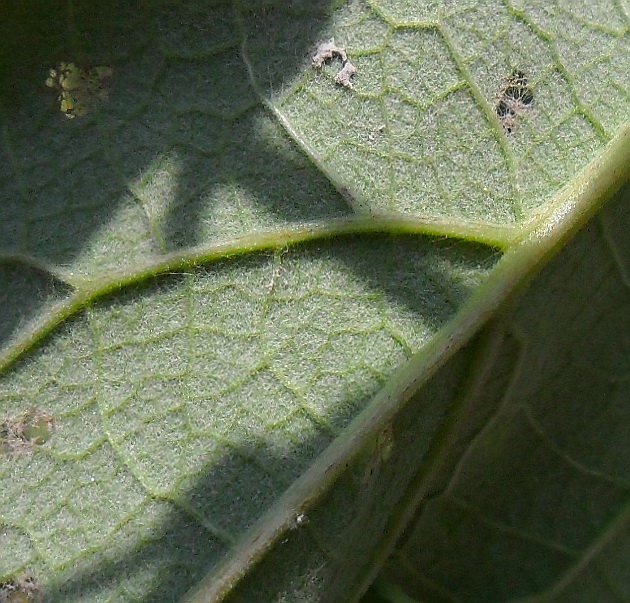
[531, 503]
[238, 350]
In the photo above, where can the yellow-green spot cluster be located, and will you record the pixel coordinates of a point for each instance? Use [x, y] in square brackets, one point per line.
[78, 88]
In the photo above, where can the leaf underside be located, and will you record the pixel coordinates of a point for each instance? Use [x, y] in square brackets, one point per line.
[243, 300]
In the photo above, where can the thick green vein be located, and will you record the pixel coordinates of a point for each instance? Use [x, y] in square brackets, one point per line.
[543, 237]
[87, 291]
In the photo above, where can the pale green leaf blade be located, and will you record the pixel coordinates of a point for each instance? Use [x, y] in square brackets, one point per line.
[196, 401]
[229, 386]
[420, 133]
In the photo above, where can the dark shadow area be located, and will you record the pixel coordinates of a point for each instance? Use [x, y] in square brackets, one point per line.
[253, 470]
[429, 276]
[180, 153]
[27, 291]
[181, 107]
[184, 550]
[180, 97]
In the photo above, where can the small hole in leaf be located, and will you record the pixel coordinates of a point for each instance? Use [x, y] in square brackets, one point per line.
[514, 99]
[503, 110]
[326, 52]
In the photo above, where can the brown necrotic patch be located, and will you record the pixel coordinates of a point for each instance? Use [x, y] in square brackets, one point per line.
[328, 51]
[514, 99]
[24, 433]
[21, 589]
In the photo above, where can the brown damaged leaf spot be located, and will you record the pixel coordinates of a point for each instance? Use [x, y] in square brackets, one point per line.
[514, 99]
[344, 76]
[24, 433]
[327, 51]
[22, 589]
